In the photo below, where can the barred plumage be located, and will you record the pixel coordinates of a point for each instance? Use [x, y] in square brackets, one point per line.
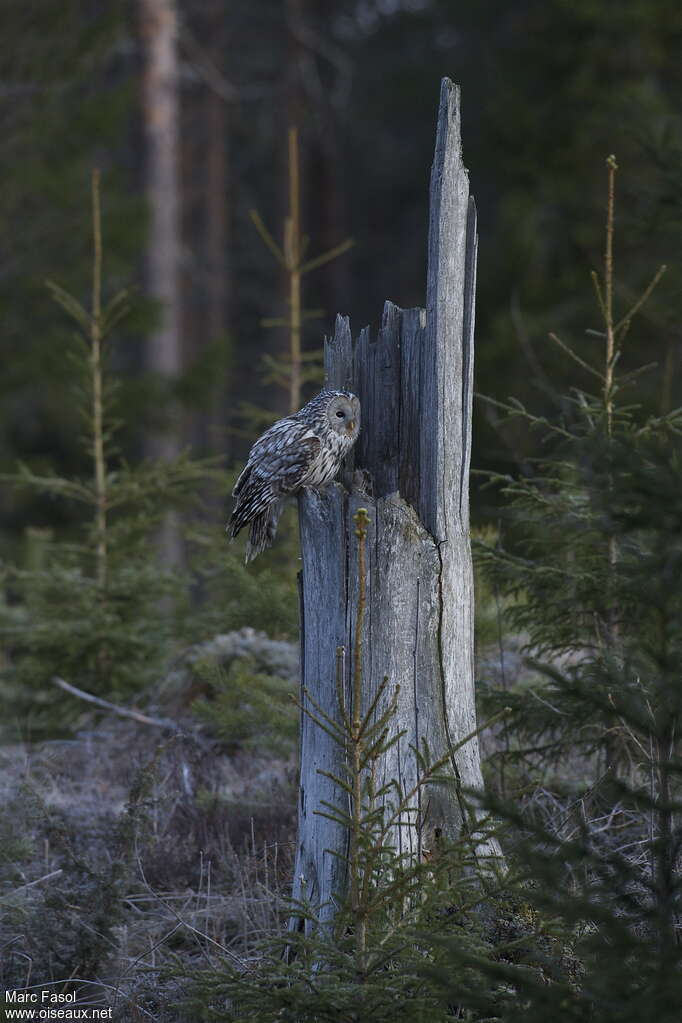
[302, 450]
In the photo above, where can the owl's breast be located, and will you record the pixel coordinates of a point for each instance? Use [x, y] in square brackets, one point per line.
[325, 466]
[323, 469]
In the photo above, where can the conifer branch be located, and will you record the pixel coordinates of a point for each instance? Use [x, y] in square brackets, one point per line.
[327, 257]
[293, 253]
[97, 388]
[598, 291]
[361, 519]
[644, 297]
[575, 357]
[608, 296]
[340, 680]
[270, 242]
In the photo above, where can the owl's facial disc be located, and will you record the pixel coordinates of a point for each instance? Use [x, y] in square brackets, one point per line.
[343, 416]
[354, 421]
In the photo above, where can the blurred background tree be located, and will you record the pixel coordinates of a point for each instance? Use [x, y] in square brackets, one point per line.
[548, 88]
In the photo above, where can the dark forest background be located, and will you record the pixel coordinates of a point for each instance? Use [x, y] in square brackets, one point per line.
[549, 90]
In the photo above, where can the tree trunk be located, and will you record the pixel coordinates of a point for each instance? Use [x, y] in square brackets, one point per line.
[216, 212]
[415, 386]
[160, 115]
[213, 425]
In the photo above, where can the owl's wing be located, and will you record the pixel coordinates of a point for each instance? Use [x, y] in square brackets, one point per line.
[277, 464]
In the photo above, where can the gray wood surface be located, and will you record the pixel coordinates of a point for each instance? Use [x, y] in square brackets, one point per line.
[411, 462]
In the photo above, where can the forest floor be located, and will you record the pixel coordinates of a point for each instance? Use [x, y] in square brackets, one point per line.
[129, 851]
[132, 855]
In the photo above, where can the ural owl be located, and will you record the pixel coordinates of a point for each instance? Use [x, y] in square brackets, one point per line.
[302, 450]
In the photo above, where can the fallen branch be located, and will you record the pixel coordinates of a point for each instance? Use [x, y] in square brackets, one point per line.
[136, 715]
[31, 884]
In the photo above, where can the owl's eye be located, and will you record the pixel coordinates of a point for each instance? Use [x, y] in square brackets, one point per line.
[340, 414]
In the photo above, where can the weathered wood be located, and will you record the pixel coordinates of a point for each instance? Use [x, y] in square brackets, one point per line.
[324, 603]
[414, 382]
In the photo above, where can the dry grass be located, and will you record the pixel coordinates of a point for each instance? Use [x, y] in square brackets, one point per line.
[124, 849]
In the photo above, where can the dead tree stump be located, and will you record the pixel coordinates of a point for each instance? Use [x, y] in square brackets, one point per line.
[414, 382]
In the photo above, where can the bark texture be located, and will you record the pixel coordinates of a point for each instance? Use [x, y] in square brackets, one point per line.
[411, 473]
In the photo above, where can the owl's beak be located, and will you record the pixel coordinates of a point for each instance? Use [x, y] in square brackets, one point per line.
[351, 426]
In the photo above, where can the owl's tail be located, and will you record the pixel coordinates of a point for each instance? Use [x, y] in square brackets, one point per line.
[263, 530]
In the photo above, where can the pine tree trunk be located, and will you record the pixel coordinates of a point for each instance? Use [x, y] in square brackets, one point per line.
[213, 421]
[415, 386]
[160, 116]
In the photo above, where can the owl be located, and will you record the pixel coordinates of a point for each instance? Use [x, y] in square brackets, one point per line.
[302, 450]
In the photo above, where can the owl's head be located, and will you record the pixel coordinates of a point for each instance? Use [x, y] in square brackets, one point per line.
[343, 414]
